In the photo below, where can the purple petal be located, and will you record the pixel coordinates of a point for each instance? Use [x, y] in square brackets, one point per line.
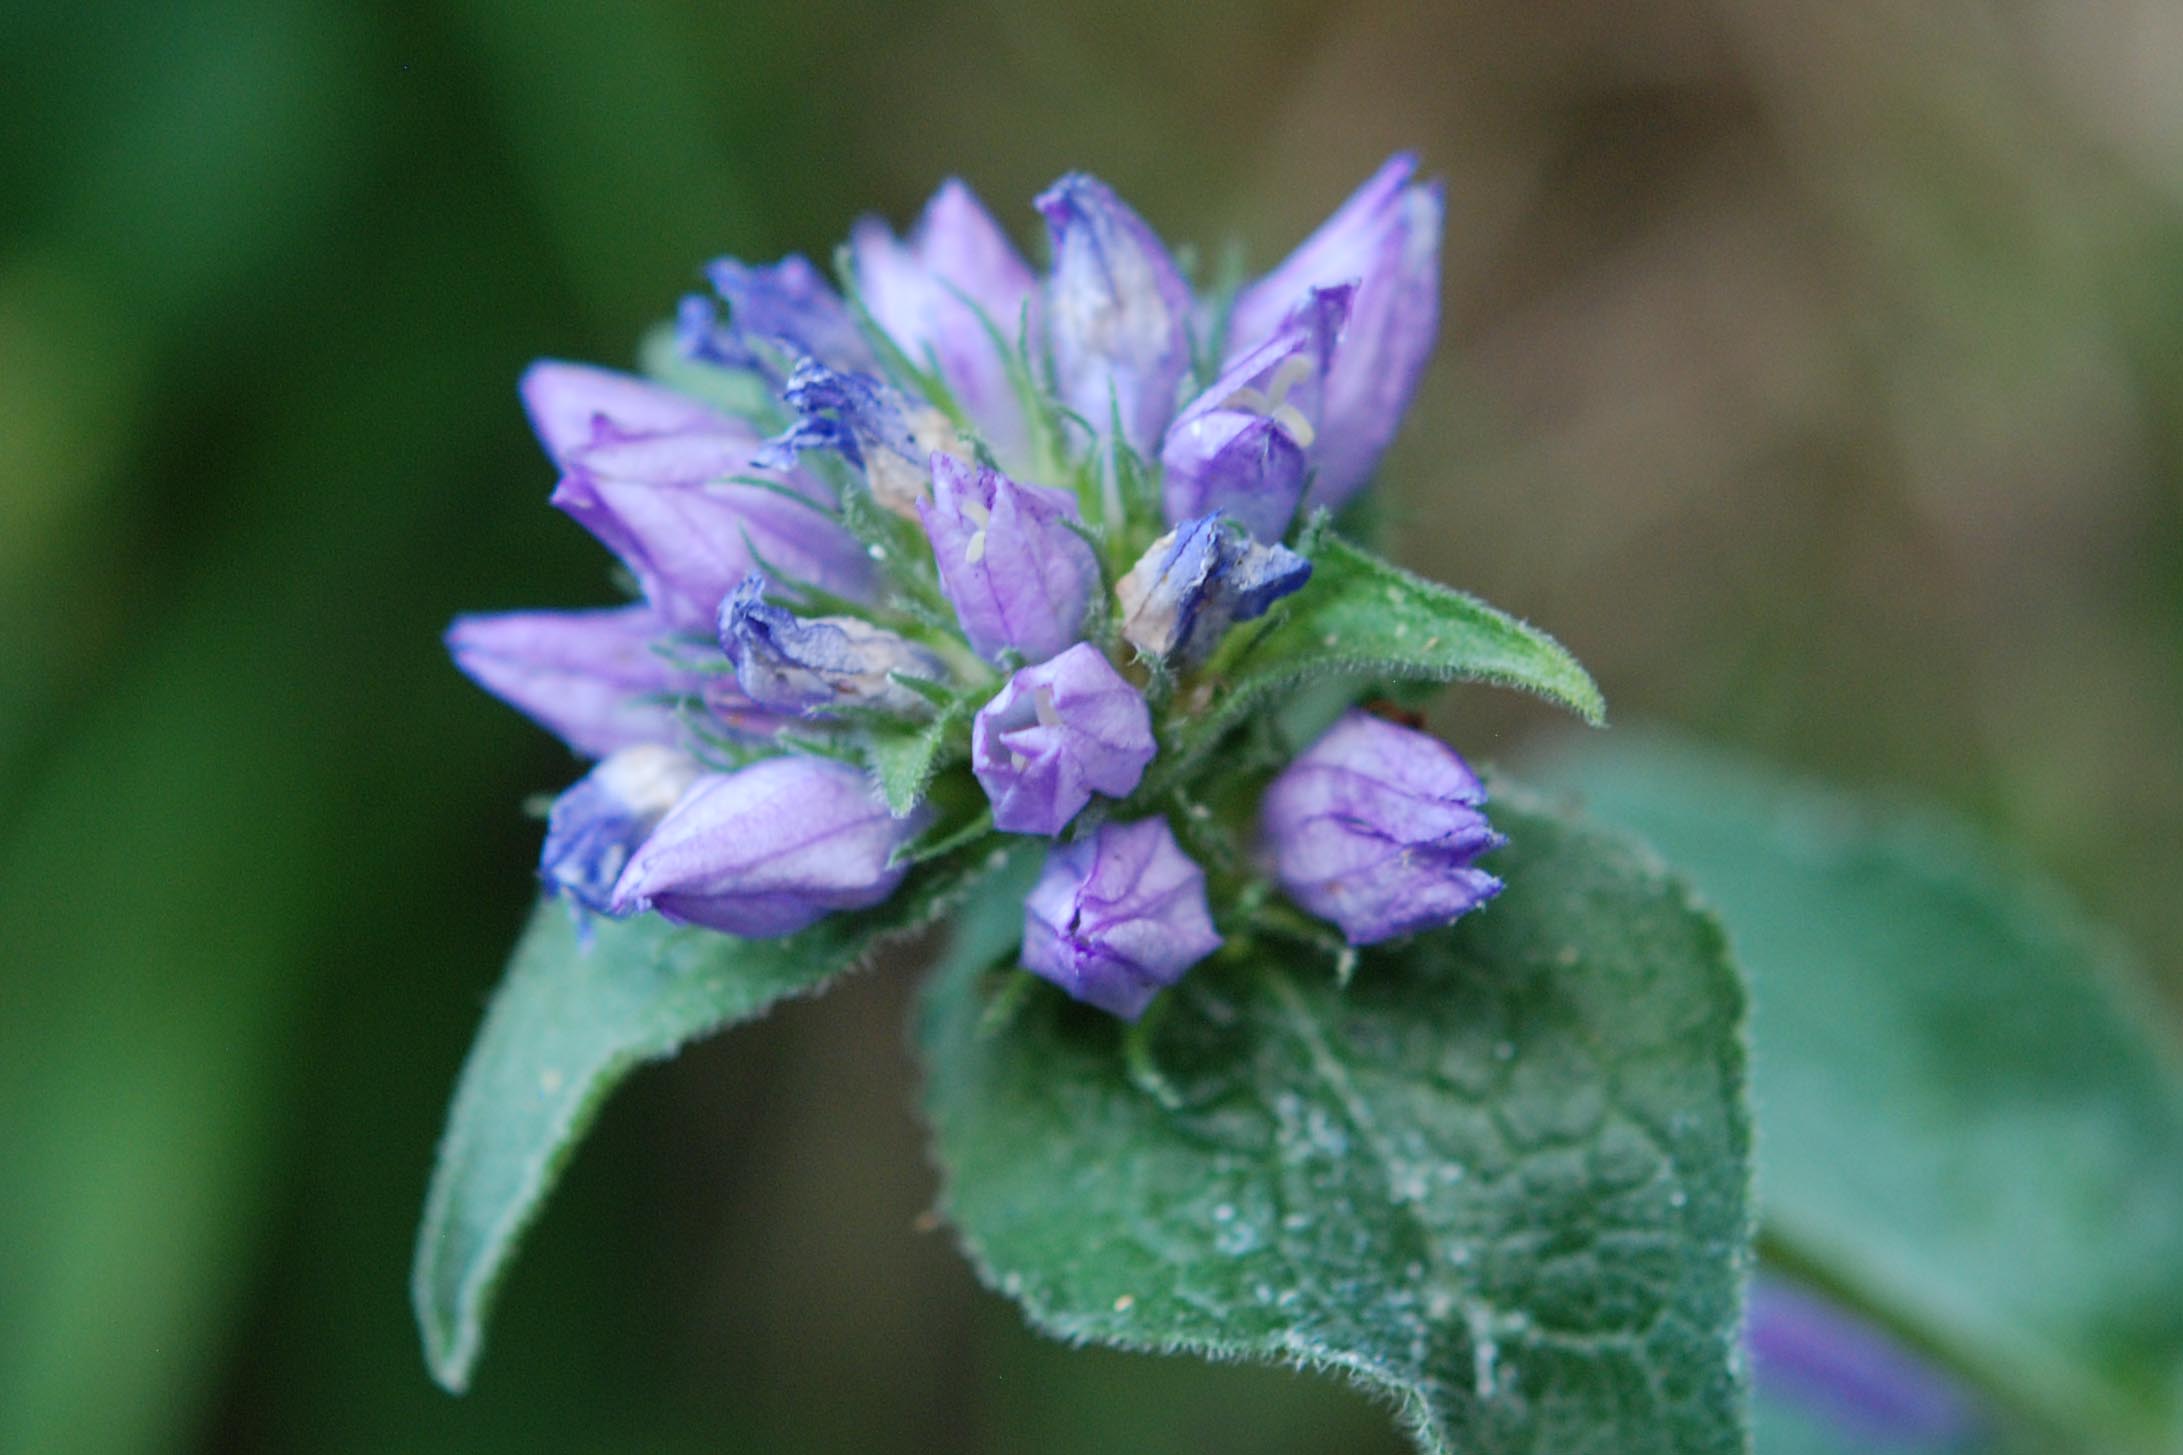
[1386, 239]
[1017, 575]
[1056, 734]
[1118, 312]
[769, 850]
[671, 508]
[922, 293]
[591, 678]
[1376, 828]
[574, 406]
[1117, 916]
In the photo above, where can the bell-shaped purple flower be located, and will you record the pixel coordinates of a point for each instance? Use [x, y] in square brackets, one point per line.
[788, 305]
[1118, 312]
[928, 294]
[1018, 576]
[1117, 916]
[1869, 1389]
[1196, 581]
[768, 850]
[1056, 734]
[1245, 445]
[1386, 240]
[818, 665]
[868, 423]
[596, 825]
[594, 679]
[1378, 829]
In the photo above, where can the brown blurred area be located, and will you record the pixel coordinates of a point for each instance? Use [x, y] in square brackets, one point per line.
[1813, 370]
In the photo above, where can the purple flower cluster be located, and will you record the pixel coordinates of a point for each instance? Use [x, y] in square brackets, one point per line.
[1020, 508]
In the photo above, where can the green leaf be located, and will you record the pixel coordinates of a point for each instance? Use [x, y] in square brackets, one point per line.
[905, 756]
[567, 1024]
[1500, 1180]
[1359, 616]
[1971, 1130]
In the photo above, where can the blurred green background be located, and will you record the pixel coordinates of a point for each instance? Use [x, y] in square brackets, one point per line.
[1814, 368]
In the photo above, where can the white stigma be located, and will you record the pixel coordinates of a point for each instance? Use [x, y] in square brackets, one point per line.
[1042, 703]
[974, 548]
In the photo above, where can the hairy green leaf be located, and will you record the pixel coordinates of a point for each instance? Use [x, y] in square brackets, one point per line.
[904, 757]
[1360, 616]
[569, 1021]
[1971, 1128]
[1500, 1179]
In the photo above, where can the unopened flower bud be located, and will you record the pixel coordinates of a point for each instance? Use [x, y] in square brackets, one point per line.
[1118, 311]
[927, 292]
[1118, 916]
[768, 850]
[1377, 828]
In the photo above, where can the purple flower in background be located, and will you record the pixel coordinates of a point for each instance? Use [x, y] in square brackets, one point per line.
[1376, 828]
[1117, 916]
[1385, 239]
[813, 666]
[1811, 1354]
[1016, 573]
[869, 424]
[768, 850]
[596, 825]
[929, 291]
[1118, 312]
[1056, 734]
[788, 305]
[1245, 445]
[592, 678]
[1196, 581]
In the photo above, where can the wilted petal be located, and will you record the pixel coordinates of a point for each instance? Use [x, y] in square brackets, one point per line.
[677, 510]
[592, 678]
[928, 294]
[791, 664]
[1117, 916]
[597, 825]
[1118, 312]
[1385, 239]
[1056, 734]
[1377, 828]
[1017, 575]
[1245, 445]
[1196, 581]
[869, 424]
[769, 850]
[789, 305]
